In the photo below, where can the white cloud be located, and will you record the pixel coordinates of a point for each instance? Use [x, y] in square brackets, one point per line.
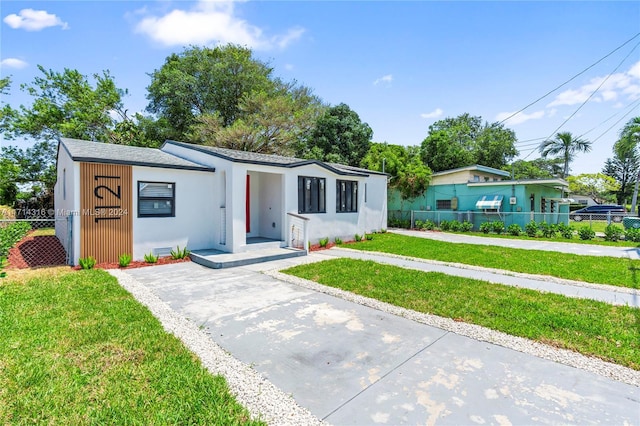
[211, 22]
[384, 79]
[623, 84]
[433, 114]
[34, 20]
[288, 67]
[13, 63]
[520, 117]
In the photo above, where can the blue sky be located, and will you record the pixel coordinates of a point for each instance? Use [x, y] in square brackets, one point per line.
[399, 65]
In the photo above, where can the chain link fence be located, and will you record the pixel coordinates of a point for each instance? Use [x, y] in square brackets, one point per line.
[32, 242]
[595, 221]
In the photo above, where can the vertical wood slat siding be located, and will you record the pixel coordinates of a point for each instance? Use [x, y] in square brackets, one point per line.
[106, 223]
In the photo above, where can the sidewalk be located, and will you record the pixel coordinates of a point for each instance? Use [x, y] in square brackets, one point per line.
[571, 248]
[601, 292]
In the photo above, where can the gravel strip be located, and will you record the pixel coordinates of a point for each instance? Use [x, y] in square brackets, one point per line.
[563, 356]
[261, 398]
[605, 287]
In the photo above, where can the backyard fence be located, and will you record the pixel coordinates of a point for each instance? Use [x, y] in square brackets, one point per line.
[32, 242]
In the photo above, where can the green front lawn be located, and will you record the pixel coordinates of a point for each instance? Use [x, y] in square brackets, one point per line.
[589, 327]
[76, 348]
[594, 269]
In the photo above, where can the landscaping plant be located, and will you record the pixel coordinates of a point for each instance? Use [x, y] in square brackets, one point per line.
[445, 225]
[514, 229]
[2, 265]
[11, 234]
[466, 226]
[337, 240]
[323, 242]
[531, 229]
[150, 258]
[368, 237]
[358, 237]
[124, 260]
[548, 230]
[497, 227]
[87, 262]
[486, 227]
[586, 233]
[179, 253]
[613, 233]
[565, 230]
[632, 234]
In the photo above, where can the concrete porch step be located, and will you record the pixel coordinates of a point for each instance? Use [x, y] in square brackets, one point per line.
[216, 259]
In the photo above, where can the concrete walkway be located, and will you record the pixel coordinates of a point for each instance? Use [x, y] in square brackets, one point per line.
[604, 293]
[352, 364]
[571, 248]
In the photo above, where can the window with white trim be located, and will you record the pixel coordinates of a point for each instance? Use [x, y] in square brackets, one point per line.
[346, 196]
[156, 199]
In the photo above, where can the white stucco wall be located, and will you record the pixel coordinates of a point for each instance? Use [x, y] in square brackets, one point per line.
[66, 196]
[195, 225]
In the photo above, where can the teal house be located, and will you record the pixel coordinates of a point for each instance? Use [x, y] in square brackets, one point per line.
[483, 194]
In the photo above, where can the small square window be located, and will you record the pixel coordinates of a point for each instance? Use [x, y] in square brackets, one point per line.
[156, 199]
[346, 196]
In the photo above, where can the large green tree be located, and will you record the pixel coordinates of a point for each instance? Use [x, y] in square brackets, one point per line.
[203, 80]
[629, 145]
[540, 168]
[269, 123]
[598, 186]
[65, 104]
[624, 168]
[565, 146]
[339, 136]
[407, 173]
[466, 140]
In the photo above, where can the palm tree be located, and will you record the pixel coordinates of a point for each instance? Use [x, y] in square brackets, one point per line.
[565, 145]
[630, 142]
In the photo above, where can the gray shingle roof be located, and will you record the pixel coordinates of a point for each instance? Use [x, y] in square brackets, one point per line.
[272, 160]
[98, 152]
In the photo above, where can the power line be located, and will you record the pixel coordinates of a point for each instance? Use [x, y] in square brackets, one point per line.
[592, 93]
[572, 78]
[630, 106]
[613, 125]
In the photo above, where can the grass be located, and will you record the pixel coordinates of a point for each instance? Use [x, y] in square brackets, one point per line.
[66, 361]
[593, 328]
[41, 232]
[594, 269]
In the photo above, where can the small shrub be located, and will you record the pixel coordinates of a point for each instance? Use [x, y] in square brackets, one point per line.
[180, 253]
[358, 237]
[337, 240]
[586, 233]
[383, 231]
[514, 229]
[445, 225]
[531, 229]
[419, 224]
[429, 225]
[323, 242]
[87, 262]
[548, 230]
[613, 233]
[150, 258]
[497, 227]
[11, 234]
[486, 227]
[124, 260]
[454, 226]
[565, 230]
[368, 237]
[632, 234]
[466, 226]
[2, 265]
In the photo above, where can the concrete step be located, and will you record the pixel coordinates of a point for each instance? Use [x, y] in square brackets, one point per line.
[216, 259]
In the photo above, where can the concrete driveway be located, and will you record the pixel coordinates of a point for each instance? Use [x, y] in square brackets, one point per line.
[350, 364]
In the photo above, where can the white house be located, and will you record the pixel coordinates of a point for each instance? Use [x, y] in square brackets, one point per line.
[135, 200]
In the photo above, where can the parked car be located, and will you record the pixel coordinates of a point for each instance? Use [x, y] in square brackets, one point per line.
[599, 212]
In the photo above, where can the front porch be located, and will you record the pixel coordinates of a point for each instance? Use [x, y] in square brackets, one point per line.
[257, 250]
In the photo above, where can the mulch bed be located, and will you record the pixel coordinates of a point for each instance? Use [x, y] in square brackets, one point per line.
[138, 263]
[34, 252]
